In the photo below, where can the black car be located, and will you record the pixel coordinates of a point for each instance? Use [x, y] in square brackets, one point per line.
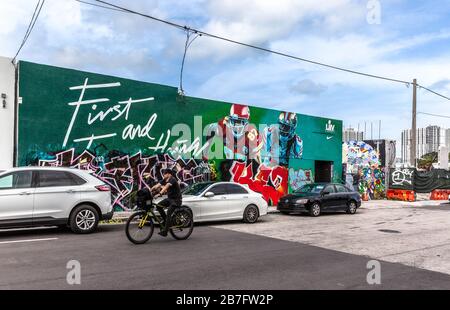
[316, 198]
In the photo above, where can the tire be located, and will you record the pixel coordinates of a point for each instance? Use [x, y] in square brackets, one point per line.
[84, 219]
[131, 228]
[183, 218]
[315, 209]
[251, 214]
[351, 209]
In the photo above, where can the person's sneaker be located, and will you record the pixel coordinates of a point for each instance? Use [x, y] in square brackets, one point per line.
[163, 233]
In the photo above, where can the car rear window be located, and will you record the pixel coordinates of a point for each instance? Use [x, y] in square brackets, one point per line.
[330, 189]
[58, 178]
[235, 189]
[341, 189]
[219, 189]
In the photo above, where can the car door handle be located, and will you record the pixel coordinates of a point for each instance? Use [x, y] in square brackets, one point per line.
[70, 191]
[245, 197]
[25, 193]
[223, 197]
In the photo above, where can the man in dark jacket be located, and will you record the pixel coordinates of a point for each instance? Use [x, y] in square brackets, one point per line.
[169, 185]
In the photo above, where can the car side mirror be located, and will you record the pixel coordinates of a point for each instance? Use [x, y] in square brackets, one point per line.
[209, 194]
[325, 193]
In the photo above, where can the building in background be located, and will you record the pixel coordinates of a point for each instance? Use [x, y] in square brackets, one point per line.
[125, 131]
[7, 112]
[366, 165]
[428, 140]
[351, 134]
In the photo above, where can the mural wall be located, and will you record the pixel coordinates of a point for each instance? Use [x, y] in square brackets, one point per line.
[365, 165]
[126, 131]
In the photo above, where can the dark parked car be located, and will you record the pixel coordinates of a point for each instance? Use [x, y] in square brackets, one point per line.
[316, 198]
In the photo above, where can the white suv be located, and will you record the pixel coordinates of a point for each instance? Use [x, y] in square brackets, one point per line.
[47, 196]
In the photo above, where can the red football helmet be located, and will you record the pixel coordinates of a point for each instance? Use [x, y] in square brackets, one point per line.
[238, 119]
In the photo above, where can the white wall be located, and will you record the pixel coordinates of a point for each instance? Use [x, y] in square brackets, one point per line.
[7, 79]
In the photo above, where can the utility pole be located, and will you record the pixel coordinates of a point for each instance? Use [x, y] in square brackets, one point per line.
[414, 125]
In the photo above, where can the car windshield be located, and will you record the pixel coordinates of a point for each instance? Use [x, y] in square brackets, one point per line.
[196, 189]
[311, 188]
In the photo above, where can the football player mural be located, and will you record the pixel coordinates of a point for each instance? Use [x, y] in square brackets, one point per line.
[241, 140]
[281, 141]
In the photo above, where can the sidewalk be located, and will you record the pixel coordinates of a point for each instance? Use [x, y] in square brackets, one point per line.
[123, 215]
[371, 204]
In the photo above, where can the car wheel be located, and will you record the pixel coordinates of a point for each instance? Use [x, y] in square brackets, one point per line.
[315, 209]
[84, 219]
[251, 214]
[351, 207]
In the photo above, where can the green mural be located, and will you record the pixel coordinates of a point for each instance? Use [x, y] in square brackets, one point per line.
[125, 131]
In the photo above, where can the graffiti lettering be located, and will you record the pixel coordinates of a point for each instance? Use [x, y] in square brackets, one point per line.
[126, 174]
[402, 176]
[270, 182]
[298, 178]
[131, 131]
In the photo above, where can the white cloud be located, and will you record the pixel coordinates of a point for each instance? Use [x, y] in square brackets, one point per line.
[335, 31]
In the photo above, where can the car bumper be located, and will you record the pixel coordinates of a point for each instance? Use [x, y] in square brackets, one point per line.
[292, 208]
[107, 216]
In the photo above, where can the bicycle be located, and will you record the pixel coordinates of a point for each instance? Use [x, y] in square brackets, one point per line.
[140, 225]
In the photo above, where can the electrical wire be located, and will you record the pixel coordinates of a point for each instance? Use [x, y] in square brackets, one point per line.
[186, 47]
[434, 92]
[100, 6]
[37, 11]
[431, 114]
[199, 32]
[250, 45]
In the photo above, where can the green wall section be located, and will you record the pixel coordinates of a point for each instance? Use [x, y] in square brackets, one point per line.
[46, 112]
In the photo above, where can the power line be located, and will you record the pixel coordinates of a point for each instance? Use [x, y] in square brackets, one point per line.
[100, 6]
[431, 114]
[434, 92]
[250, 45]
[200, 32]
[37, 11]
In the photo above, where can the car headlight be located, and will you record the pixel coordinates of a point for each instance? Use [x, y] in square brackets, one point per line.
[301, 201]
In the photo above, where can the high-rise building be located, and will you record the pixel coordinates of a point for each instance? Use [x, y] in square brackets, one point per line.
[350, 134]
[428, 140]
[447, 138]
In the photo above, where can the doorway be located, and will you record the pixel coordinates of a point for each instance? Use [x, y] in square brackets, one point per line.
[323, 171]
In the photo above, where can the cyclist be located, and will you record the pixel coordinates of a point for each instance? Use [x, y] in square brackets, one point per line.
[170, 186]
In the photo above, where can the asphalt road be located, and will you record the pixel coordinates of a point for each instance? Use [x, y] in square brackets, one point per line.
[213, 258]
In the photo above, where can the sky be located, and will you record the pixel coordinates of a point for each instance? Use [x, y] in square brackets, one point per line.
[408, 39]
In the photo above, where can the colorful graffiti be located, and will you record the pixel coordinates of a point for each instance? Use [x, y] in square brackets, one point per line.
[148, 128]
[371, 183]
[300, 177]
[358, 154]
[127, 174]
[272, 183]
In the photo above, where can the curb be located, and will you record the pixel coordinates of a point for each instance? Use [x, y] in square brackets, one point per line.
[121, 217]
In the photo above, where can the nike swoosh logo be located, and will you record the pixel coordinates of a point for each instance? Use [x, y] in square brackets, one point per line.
[328, 138]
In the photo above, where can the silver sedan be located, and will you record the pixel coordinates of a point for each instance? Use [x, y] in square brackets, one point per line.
[219, 201]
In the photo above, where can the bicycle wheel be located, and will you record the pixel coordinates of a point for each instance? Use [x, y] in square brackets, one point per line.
[139, 227]
[182, 222]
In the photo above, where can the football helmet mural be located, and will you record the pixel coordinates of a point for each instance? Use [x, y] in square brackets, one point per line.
[238, 119]
[241, 140]
[287, 123]
[281, 141]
